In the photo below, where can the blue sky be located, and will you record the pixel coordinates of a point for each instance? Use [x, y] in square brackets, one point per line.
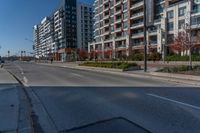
[17, 18]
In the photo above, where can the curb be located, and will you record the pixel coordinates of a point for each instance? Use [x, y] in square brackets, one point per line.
[101, 69]
[25, 122]
[178, 76]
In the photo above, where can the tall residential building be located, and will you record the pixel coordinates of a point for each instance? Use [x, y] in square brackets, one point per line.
[85, 24]
[69, 30]
[64, 40]
[36, 41]
[119, 26]
[70, 23]
[44, 38]
[178, 16]
[111, 28]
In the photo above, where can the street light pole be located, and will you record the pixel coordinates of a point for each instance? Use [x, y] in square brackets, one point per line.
[145, 38]
[32, 42]
[190, 36]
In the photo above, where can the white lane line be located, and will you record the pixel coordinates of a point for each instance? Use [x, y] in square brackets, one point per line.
[25, 80]
[77, 75]
[174, 101]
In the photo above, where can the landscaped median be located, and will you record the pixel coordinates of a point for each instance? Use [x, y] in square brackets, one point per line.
[180, 74]
[123, 66]
[182, 70]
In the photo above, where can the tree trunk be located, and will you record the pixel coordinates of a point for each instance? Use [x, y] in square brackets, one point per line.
[190, 59]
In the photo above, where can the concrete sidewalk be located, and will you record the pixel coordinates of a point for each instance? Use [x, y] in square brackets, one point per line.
[6, 78]
[9, 103]
[180, 78]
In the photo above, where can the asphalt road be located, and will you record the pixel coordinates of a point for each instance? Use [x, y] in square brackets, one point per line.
[76, 101]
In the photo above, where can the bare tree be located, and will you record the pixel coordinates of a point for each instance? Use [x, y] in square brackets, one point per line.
[184, 41]
[181, 43]
[83, 54]
[198, 38]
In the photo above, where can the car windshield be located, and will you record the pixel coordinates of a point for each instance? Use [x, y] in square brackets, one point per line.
[100, 66]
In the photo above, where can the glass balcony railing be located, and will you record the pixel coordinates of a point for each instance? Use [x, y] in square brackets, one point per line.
[196, 10]
[137, 14]
[137, 34]
[140, 3]
[121, 46]
[137, 24]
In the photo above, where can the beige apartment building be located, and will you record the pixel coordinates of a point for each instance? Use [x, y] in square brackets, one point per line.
[119, 26]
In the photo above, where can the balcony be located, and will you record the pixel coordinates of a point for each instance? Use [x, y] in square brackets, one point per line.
[118, 2]
[119, 38]
[124, 1]
[137, 35]
[137, 25]
[118, 12]
[106, 16]
[157, 20]
[152, 32]
[106, 24]
[106, 33]
[98, 50]
[108, 48]
[121, 47]
[137, 5]
[118, 20]
[118, 29]
[136, 15]
[138, 44]
[105, 1]
[153, 42]
[108, 40]
[106, 8]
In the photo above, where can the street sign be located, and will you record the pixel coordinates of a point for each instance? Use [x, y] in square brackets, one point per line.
[149, 12]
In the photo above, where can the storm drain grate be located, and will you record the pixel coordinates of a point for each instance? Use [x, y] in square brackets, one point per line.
[114, 125]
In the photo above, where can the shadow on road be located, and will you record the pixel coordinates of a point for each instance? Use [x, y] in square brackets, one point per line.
[82, 109]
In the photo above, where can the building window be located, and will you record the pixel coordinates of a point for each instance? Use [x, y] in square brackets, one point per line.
[170, 38]
[170, 26]
[181, 11]
[125, 15]
[181, 23]
[125, 25]
[195, 20]
[170, 14]
[112, 28]
[125, 7]
[196, 7]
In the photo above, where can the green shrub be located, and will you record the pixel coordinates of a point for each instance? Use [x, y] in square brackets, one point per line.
[197, 68]
[119, 65]
[182, 58]
[176, 69]
[155, 57]
[140, 57]
[136, 57]
[183, 68]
